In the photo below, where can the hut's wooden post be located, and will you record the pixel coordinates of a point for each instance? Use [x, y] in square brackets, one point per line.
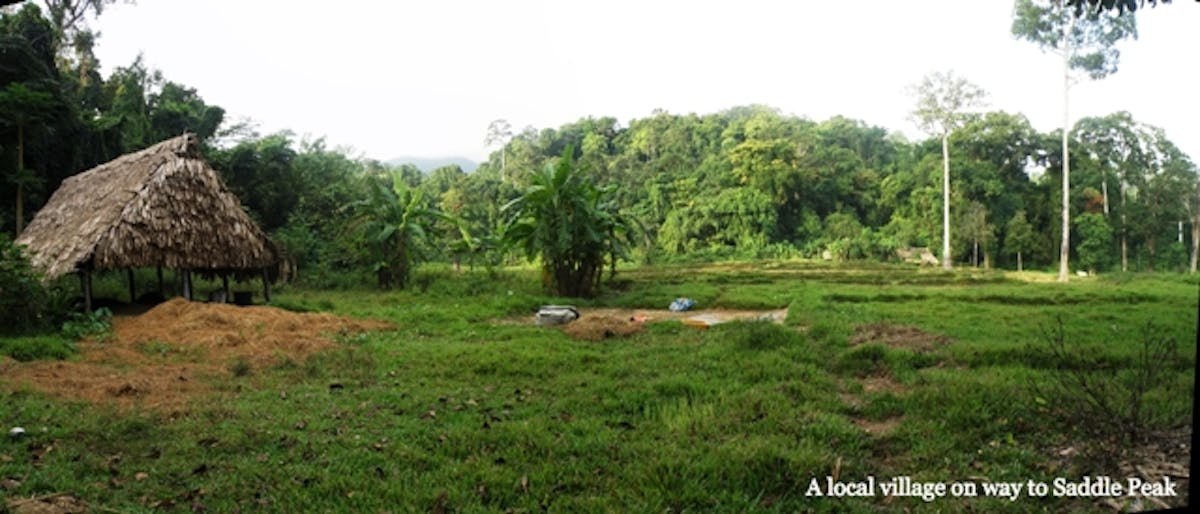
[132, 286]
[225, 287]
[187, 284]
[85, 282]
[161, 291]
[266, 286]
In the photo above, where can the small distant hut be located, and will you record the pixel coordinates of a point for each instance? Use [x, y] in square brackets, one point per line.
[162, 207]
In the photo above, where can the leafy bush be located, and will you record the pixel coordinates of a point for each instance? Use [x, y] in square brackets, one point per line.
[95, 324]
[36, 347]
[22, 296]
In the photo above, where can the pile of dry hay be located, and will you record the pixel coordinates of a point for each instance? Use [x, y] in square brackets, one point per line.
[155, 359]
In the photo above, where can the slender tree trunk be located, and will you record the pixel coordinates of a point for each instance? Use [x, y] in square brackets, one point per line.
[85, 283]
[20, 179]
[266, 281]
[975, 253]
[187, 284]
[1124, 244]
[946, 201]
[1019, 267]
[1195, 212]
[1064, 252]
[1151, 244]
[1195, 238]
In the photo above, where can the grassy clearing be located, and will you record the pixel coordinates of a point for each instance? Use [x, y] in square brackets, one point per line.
[454, 412]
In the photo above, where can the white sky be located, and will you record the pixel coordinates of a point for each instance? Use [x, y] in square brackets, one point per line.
[425, 77]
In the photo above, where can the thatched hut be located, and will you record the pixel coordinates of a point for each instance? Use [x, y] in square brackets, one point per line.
[160, 207]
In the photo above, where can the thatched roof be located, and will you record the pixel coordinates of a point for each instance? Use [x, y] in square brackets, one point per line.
[162, 206]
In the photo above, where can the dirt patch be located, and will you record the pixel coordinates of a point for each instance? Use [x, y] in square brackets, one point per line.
[156, 359]
[897, 336]
[602, 323]
[882, 384]
[878, 428]
[52, 504]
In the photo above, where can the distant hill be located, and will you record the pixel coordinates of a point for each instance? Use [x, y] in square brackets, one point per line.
[427, 164]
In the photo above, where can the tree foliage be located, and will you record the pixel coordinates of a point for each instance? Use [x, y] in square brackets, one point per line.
[1019, 237]
[1087, 37]
[1095, 241]
[732, 219]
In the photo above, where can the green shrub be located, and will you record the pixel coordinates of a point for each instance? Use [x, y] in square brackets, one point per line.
[95, 324]
[22, 296]
[754, 335]
[36, 348]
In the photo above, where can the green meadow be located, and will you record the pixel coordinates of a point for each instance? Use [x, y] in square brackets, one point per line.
[878, 371]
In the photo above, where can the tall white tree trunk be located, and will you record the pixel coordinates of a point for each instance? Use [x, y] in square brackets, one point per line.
[1104, 193]
[946, 200]
[1065, 250]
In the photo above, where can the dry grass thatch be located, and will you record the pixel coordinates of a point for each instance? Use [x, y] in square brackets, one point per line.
[162, 206]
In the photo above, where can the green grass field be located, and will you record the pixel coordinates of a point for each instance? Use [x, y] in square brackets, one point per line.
[452, 412]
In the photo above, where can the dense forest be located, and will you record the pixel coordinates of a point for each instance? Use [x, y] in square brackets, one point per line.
[746, 182]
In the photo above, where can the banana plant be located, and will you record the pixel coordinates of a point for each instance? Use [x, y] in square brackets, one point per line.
[570, 224]
[394, 220]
